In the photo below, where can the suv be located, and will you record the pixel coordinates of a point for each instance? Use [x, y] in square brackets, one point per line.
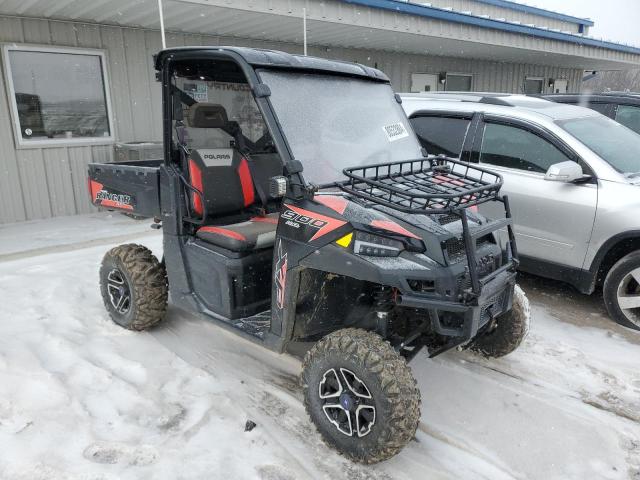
[623, 107]
[571, 174]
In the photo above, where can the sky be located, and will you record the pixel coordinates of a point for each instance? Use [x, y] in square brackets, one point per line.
[615, 20]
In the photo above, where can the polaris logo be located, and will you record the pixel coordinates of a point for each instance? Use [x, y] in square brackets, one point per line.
[217, 156]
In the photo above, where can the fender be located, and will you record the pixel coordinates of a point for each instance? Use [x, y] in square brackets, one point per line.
[604, 249]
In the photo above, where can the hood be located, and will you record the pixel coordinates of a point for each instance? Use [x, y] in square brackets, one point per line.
[390, 220]
[356, 213]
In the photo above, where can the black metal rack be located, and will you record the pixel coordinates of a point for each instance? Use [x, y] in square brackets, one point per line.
[434, 186]
[430, 185]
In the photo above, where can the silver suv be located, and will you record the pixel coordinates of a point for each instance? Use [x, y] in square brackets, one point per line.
[573, 180]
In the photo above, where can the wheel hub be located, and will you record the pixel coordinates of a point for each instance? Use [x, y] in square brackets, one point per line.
[119, 293]
[628, 296]
[347, 402]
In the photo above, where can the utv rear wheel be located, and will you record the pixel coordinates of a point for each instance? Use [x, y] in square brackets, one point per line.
[508, 331]
[361, 395]
[621, 291]
[134, 286]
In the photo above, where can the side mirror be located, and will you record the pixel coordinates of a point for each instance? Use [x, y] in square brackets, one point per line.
[567, 172]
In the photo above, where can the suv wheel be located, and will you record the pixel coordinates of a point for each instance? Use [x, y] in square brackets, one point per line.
[361, 395]
[134, 286]
[621, 291]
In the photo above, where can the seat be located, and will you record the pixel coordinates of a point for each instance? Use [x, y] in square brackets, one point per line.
[253, 234]
[230, 187]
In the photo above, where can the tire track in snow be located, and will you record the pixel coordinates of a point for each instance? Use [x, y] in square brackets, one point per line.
[279, 404]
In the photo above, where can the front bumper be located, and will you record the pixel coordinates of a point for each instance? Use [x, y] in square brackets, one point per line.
[495, 298]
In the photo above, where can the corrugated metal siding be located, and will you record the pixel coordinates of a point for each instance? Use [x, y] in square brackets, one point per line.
[44, 182]
[477, 8]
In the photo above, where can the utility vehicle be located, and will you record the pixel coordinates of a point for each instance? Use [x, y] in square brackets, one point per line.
[573, 178]
[297, 208]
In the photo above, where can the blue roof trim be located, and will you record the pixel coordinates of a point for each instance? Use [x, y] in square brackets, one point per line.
[538, 11]
[400, 6]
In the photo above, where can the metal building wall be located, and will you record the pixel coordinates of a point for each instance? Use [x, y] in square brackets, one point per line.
[477, 8]
[44, 182]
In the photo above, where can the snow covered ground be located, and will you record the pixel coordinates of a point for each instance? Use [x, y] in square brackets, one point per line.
[80, 398]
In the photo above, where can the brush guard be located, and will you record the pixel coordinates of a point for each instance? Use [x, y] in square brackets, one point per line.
[438, 186]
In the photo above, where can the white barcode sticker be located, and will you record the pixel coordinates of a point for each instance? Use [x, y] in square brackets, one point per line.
[395, 131]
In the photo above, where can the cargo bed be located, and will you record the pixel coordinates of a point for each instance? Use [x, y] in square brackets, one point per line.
[131, 187]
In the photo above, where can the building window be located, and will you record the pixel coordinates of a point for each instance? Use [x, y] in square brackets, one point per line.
[59, 96]
[533, 85]
[458, 82]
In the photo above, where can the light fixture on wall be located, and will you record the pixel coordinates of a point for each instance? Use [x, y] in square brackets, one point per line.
[442, 77]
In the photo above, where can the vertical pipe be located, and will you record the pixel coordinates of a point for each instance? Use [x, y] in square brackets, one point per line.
[304, 30]
[164, 42]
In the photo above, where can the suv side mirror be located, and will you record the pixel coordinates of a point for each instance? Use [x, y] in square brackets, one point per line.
[567, 172]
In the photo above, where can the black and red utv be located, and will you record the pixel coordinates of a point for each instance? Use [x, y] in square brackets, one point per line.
[298, 208]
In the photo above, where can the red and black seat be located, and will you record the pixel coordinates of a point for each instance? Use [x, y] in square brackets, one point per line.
[224, 178]
[253, 234]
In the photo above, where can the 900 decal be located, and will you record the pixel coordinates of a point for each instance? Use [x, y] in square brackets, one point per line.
[294, 220]
[300, 218]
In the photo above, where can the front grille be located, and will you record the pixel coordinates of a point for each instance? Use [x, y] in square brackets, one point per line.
[456, 252]
[447, 219]
[455, 249]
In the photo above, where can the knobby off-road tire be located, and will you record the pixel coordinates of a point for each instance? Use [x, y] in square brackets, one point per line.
[134, 271]
[509, 331]
[621, 291]
[367, 366]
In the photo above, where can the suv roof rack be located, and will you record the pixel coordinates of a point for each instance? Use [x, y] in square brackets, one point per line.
[475, 97]
[433, 185]
[495, 101]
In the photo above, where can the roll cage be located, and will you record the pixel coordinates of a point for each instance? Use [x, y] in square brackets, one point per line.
[249, 61]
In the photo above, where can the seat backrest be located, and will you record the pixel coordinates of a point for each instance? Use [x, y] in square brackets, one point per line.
[223, 177]
[207, 126]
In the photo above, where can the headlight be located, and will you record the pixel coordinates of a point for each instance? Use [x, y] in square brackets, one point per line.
[376, 246]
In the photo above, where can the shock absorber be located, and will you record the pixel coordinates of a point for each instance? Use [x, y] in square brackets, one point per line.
[382, 304]
[383, 299]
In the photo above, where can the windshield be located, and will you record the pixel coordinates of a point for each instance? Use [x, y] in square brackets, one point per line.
[614, 143]
[333, 122]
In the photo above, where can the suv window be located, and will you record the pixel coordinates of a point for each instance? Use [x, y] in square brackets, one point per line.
[513, 147]
[602, 108]
[441, 135]
[629, 116]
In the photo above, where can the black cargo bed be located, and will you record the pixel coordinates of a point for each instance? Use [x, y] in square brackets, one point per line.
[129, 187]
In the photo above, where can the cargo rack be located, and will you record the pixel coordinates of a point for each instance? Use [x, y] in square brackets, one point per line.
[433, 186]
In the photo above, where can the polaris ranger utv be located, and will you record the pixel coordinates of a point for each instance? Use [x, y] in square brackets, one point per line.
[298, 208]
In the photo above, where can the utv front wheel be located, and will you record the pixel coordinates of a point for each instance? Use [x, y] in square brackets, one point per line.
[621, 291]
[508, 331]
[361, 395]
[134, 286]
